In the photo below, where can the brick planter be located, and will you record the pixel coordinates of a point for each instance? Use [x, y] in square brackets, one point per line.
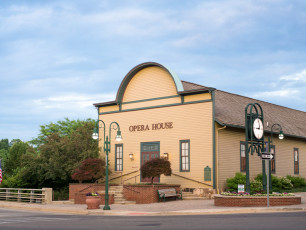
[145, 194]
[80, 198]
[253, 201]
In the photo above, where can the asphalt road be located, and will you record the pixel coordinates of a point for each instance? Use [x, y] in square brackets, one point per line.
[10, 219]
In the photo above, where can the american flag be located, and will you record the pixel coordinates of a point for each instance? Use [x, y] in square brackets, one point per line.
[0, 172]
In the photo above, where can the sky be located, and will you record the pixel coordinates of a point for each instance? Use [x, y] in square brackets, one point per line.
[58, 57]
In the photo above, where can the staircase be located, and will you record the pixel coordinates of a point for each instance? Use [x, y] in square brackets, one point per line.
[191, 196]
[119, 198]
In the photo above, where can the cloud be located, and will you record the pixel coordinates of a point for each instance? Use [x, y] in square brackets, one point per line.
[72, 102]
[296, 77]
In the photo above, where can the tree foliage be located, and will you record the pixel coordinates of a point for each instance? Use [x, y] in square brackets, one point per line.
[155, 168]
[90, 170]
[59, 149]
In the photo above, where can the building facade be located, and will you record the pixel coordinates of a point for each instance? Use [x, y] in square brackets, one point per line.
[200, 129]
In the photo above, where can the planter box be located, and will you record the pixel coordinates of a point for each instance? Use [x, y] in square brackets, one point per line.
[253, 201]
[80, 198]
[145, 194]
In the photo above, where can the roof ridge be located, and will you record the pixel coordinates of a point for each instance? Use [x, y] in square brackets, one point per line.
[259, 100]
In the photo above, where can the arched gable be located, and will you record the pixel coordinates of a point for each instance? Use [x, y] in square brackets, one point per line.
[155, 76]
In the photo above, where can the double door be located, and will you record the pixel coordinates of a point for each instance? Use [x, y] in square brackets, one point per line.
[149, 151]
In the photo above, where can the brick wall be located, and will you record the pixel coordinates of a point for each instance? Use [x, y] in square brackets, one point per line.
[80, 198]
[145, 194]
[87, 187]
[231, 201]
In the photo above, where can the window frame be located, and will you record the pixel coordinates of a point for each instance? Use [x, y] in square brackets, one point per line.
[181, 156]
[242, 143]
[296, 150]
[116, 158]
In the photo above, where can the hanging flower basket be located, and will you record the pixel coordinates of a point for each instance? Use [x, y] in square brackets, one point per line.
[93, 200]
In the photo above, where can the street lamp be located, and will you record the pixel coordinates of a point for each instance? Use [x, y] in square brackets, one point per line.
[270, 145]
[107, 148]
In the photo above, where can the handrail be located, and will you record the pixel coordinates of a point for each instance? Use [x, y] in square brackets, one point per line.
[122, 175]
[125, 186]
[43, 195]
[192, 180]
[131, 178]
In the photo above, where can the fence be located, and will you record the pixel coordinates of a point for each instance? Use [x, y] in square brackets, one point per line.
[42, 196]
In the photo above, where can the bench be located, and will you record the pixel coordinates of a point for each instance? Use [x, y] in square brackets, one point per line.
[169, 192]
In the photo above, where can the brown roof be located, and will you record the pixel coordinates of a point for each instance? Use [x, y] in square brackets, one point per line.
[189, 86]
[230, 111]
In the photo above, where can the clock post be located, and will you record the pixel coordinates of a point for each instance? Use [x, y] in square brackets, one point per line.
[254, 137]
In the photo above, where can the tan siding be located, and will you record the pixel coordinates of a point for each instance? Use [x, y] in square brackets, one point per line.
[109, 108]
[197, 97]
[195, 126]
[149, 83]
[228, 147]
[229, 155]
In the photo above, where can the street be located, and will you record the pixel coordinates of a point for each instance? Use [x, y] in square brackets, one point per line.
[10, 219]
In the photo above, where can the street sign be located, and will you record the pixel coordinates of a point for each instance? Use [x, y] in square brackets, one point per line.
[267, 156]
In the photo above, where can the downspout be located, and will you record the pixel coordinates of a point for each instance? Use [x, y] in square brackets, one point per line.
[224, 127]
[214, 138]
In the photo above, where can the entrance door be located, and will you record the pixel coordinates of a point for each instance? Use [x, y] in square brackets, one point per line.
[149, 150]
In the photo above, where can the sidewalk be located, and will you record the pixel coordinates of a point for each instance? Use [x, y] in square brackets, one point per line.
[179, 207]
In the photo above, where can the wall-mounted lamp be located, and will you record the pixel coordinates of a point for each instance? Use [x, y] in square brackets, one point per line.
[131, 156]
[166, 155]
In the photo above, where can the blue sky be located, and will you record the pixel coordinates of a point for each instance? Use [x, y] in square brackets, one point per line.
[57, 58]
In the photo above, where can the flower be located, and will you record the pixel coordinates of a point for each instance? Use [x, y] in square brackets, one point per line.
[92, 194]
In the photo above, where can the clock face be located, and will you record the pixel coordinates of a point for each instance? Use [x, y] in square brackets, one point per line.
[258, 128]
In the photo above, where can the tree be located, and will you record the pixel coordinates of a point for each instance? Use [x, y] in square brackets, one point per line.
[90, 170]
[63, 128]
[155, 168]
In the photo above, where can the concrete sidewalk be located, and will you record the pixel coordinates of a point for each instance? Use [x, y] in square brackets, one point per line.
[179, 207]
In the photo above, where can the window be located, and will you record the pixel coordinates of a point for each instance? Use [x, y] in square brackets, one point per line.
[296, 161]
[272, 150]
[242, 157]
[185, 156]
[119, 158]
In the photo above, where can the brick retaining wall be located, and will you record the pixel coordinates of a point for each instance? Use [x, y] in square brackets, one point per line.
[145, 194]
[80, 198]
[243, 201]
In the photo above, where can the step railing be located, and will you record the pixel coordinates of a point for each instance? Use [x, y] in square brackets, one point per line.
[41, 196]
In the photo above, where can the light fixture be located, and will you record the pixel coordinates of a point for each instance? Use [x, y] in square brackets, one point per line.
[95, 134]
[131, 156]
[166, 155]
[118, 137]
[281, 135]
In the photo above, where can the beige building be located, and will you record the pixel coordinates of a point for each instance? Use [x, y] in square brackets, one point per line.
[200, 129]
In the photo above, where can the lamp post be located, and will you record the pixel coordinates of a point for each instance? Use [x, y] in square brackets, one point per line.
[107, 148]
[270, 145]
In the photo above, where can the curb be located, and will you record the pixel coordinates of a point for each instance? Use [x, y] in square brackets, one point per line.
[100, 212]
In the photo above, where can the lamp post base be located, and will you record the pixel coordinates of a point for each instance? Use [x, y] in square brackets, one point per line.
[106, 208]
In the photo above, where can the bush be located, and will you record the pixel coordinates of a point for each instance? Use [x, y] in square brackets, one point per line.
[256, 186]
[232, 183]
[90, 169]
[297, 182]
[155, 168]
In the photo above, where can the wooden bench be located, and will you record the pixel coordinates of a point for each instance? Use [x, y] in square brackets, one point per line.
[169, 192]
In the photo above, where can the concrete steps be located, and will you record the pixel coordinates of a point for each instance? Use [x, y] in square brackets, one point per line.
[118, 195]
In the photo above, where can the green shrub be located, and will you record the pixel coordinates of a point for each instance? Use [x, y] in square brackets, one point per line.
[256, 186]
[232, 183]
[62, 194]
[297, 182]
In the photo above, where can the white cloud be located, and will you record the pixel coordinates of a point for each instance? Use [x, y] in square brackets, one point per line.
[72, 102]
[297, 77]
